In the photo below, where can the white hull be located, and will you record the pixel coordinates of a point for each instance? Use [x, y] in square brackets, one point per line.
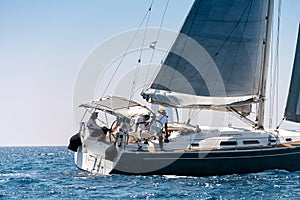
[94, 163]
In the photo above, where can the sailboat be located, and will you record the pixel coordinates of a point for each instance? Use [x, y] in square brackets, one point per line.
[218, 62]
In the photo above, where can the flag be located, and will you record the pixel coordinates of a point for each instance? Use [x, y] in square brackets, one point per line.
[152, 45]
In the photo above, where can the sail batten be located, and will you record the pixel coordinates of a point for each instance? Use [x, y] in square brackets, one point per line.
[218, 53]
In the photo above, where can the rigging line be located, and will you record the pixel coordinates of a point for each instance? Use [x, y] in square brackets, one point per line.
[145, 32]
[271, 82]
[229, 119]
[271, 89]
[181, 25]
[151, 79]
[167, 51]
[277, 64]
[130, 43]
[189, 116]
[241, 117]
[81, 120]
[165, 55]
[157, 37]
[140, 55]
[134, 80]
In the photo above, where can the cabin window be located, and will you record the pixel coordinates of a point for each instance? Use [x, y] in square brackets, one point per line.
[228, 143]
[272, 140]
[250, 142]
[288, 139]
[195, 144]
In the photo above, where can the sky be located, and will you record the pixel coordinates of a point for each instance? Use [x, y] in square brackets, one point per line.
[44, 44]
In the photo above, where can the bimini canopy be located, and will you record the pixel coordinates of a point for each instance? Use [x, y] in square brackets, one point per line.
[118, 106]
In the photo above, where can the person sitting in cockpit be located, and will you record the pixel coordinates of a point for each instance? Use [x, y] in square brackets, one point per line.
[94, 129]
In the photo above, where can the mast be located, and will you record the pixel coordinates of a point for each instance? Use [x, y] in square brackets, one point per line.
[265, 65]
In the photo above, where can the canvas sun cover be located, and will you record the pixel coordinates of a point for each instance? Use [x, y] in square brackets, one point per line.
[118, 106]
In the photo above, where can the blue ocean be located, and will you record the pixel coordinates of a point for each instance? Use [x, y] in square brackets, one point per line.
[50, 173]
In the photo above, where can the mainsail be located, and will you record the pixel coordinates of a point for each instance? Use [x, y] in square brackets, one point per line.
[216, 60]
[292, 110]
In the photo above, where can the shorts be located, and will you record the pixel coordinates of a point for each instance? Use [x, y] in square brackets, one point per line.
[159, 133]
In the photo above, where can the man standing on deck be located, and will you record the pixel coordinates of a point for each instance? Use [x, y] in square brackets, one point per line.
[162, 122]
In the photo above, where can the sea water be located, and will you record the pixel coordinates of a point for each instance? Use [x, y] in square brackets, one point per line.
[50, 173]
